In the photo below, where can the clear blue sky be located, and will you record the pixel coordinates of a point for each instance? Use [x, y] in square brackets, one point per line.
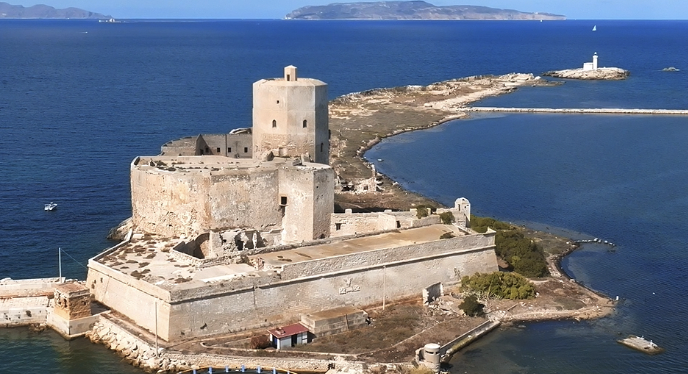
[573, 9]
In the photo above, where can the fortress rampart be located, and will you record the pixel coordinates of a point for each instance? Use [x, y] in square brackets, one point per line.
[265, 298]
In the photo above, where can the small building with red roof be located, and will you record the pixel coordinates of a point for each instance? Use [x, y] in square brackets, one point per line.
[289, 336]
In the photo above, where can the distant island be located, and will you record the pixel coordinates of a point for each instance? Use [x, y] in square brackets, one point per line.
[412, 10]
[40, 11]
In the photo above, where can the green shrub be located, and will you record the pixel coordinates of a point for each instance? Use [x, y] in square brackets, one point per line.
[447, 235]
[447, 218]
[502, 285]
[523, 255]
[471, 306]
[422, 211]
[480, 224]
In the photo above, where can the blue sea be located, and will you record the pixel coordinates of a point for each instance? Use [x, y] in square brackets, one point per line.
[79, 100]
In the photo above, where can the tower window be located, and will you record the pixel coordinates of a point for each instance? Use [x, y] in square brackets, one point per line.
[337, 226]
[277, 101]
[218, 150]
[322, 146]
[274, 123]
[283, 200]
[245, 149]
[305, 123]
[229, 150]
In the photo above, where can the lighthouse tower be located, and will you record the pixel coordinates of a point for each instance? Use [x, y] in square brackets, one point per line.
[290, 117]
[594, 61]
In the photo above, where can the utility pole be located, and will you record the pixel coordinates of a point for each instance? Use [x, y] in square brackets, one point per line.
[59, 263]
[157, 351]
[384, 285]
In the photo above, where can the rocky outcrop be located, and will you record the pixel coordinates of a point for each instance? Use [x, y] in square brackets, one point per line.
[120, 232]
[598, 74]
[412, 10]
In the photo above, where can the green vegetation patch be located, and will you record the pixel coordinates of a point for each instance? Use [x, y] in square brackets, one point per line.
[510, 286]
[523, 254]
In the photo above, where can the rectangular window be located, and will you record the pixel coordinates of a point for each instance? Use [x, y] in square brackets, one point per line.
[218, 150]
[283, 200]
[245, 149]
[229, 150]
[338, 226]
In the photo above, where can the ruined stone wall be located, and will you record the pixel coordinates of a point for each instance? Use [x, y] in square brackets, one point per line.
[213, 144]
[240, 145]
[345, 224]
[187, 146]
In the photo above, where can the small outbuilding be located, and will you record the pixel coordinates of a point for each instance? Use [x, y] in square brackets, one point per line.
[289, 336]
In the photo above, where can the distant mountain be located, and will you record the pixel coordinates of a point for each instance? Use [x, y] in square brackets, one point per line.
[9, 11]
[413, 10]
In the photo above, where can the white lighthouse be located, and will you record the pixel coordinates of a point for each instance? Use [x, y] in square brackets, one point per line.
[591, 65]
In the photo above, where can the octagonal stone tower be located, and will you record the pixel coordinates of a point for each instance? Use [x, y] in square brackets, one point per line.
[290, 117]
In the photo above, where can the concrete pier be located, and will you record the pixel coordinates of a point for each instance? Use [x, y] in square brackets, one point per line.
[674, 112]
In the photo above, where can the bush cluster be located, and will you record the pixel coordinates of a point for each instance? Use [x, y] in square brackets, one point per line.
[503, 285]
[447, 218]
[523, 255]
[471, 306]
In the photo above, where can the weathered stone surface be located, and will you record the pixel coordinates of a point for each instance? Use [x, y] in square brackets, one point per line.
[599, 74]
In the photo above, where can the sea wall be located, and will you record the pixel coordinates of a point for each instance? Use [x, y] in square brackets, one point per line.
[578, 110]
[23, 311]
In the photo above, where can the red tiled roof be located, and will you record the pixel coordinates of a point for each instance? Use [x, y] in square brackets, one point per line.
[284, 331]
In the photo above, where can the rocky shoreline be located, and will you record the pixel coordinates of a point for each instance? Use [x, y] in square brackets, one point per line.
[597, 74]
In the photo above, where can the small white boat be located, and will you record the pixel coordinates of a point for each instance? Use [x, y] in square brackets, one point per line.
[594, 28]
[50, 207]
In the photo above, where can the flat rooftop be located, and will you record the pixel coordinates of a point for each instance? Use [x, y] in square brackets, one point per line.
[149, 258]
[212, 165]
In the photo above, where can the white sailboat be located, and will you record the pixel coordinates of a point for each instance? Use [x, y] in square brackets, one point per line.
[594, 28]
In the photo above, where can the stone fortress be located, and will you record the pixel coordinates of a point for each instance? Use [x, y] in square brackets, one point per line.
[237, 231]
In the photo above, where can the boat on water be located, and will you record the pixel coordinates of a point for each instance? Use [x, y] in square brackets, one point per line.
[594, 28]
[641, 344]
[109, 20]
[50, 207]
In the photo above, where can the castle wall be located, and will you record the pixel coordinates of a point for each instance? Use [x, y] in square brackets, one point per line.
[245, 200]
[134, 298]
[285, 301]
[174, 204]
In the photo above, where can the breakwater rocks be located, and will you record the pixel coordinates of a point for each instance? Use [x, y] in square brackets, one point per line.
[617, 111]
[134, 350]
[597, 74]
